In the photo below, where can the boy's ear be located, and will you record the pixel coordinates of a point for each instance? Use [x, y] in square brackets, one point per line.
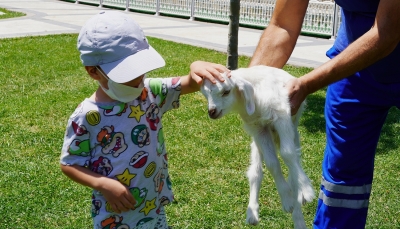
[93, 72]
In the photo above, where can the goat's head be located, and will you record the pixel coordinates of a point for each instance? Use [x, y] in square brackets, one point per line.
[234, 93]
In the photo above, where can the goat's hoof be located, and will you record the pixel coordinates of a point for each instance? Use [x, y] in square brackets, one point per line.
[308, 195]
[252, 217]
[252, 221]
[288, 204]
[301, 225]
[288, 209]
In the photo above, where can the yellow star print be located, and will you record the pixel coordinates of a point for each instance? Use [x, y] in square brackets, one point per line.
[126, 177]
[136, 112]
[150, 205]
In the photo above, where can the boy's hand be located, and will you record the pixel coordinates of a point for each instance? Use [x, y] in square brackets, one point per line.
[117, 195]
[200, 70]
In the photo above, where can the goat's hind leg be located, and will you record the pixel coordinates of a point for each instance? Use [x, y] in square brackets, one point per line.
[290, 152]
[255, 175]
[306, 191]
[266, 145]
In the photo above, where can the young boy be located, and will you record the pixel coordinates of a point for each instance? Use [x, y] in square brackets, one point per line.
[114, 141]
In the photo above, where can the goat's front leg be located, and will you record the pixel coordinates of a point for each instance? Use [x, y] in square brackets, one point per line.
[297, 217]
[265, 144]
[255, 175]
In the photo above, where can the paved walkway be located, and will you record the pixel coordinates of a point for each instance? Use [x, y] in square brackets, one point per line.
[56, 17]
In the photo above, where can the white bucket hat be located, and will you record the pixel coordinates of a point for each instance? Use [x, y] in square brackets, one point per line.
[116, 43]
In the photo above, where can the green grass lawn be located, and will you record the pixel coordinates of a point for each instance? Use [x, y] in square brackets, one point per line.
[42, 81]
[10, 14]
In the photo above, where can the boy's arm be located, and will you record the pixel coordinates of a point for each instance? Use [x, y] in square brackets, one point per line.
[113, 191]
[198, 71]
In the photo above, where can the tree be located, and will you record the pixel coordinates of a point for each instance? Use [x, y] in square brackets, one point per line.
[234, 14]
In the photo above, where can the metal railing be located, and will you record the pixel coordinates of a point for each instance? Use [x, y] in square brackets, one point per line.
[322, 18]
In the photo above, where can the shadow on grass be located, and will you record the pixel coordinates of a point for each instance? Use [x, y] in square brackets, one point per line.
[313, 117]
[389, 141]
[313, 121]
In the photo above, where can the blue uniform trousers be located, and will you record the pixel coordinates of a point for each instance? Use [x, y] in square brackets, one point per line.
[355, 111]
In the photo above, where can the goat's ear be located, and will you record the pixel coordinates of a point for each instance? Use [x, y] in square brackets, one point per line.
[246, 89]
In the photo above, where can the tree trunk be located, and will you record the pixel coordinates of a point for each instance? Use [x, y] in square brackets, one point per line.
[232, 61]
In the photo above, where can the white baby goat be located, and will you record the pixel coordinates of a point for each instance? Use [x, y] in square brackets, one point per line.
[258, 95]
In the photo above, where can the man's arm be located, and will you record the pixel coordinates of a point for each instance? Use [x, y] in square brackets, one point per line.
[377, 43]
[279, 38]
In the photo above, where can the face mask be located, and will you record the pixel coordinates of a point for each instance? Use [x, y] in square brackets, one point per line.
[122, 92]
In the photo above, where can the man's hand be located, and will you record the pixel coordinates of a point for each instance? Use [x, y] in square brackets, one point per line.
[297, 94]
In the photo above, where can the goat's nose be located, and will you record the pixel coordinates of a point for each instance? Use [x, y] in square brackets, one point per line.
[211, 112]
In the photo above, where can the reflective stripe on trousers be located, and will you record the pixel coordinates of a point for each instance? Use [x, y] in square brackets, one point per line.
[363, 191]
[342, 207]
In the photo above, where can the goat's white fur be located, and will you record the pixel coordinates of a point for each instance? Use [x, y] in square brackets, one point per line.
[258, 95]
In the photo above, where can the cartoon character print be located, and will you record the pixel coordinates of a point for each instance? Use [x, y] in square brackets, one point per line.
[144, 95]
[139, 195]
[168, 179]
[117, 110]
[79, 147]
[136, 112]
[150, 169]
[176, 83]
[165, 161]
[139, 159]
[79, 130]
[108, 207]
[93, 117]
[158, 88]
[158, 181]
[163, 201]
[175, 104]
[140, 135]
[160, 142]
[114, 222]
[149, 206]
[111, 141]
[126, 177]
[169, 183]
[102, 166]
[143, 221]
[152, 116]
[96, 205]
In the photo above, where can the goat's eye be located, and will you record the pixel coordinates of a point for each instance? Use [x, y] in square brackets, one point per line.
[226, 93]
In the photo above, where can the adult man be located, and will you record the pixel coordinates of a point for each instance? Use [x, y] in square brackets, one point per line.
[364, 82]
